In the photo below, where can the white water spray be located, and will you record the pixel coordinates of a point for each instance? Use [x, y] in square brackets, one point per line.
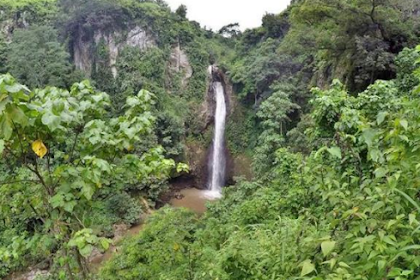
[218, 161]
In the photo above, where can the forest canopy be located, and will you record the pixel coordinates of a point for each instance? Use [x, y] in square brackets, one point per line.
[107, 111]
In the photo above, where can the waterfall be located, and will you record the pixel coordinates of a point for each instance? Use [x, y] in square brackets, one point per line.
[218, 159]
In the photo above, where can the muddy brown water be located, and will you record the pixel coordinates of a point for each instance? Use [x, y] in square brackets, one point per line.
[193, 199]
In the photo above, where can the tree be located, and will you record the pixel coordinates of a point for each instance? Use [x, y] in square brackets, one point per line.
[230, 31]
[59, 150]
[259, 70]
[406, 78]
[37, 59]
[182, 11]
[356, 40]
[274, 115]
[276, 26]
[274, 112]
[24, 13]
[372, 61]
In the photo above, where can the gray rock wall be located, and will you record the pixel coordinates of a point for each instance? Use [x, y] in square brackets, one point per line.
[115, 41]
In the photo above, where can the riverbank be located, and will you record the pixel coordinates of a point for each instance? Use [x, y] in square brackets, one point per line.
[180, 195]
[190, 198]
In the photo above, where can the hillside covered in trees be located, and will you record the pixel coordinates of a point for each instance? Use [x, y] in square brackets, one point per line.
[106, 107]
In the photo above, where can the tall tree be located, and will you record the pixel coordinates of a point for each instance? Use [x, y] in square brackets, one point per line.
[182, 11]
[230, 31]
[43, 65]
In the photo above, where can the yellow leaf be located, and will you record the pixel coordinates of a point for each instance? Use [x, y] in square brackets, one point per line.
[39, 148]
[176, 247]
[130, 148]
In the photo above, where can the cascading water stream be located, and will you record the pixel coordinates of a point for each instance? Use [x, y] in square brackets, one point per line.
[218, 160]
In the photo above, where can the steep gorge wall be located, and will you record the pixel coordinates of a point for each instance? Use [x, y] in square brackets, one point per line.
[84, 50]
[84, 44]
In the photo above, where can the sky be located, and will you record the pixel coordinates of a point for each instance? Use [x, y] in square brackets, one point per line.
[215, 14]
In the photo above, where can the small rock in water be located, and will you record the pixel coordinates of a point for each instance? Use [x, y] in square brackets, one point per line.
[179, 196]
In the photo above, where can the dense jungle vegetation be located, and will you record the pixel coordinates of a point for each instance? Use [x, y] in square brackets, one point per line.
[327, 98]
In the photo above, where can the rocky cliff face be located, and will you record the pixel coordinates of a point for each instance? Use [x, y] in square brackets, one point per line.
[8, 25]
[84, 45]
[179, 62]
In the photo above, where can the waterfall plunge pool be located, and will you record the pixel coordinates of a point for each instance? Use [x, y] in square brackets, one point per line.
[195, 199]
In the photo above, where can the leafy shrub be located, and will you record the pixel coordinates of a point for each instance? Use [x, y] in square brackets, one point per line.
[126, 208]
[161, 251]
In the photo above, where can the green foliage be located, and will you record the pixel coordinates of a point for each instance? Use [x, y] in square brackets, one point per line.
[161, 251]
[59, 152]
[138, 70]
[274, 115]
[297, 138]
[85, 241]
[200, 60]
[275, 25]
[356, 41]
[170, 131]
[182, 11]
[49, 58]
[125, 208]
[347, 210]
[28, 11]
[258, 70]
[3, 54]
[406, 78]
[241, 138]
[102, 73]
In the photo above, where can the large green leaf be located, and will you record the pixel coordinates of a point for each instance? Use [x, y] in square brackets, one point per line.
[335, 151]
[57, 200]
[6, 127]
[17, 115]
[88, 191]
[381, 117]
[327, 247]
[51, 120]
[105, 243]
[86, 250]
[368, 136]
[4, 100]
[404, 124]
[307, 268]
[380, 172]
[2, 143]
